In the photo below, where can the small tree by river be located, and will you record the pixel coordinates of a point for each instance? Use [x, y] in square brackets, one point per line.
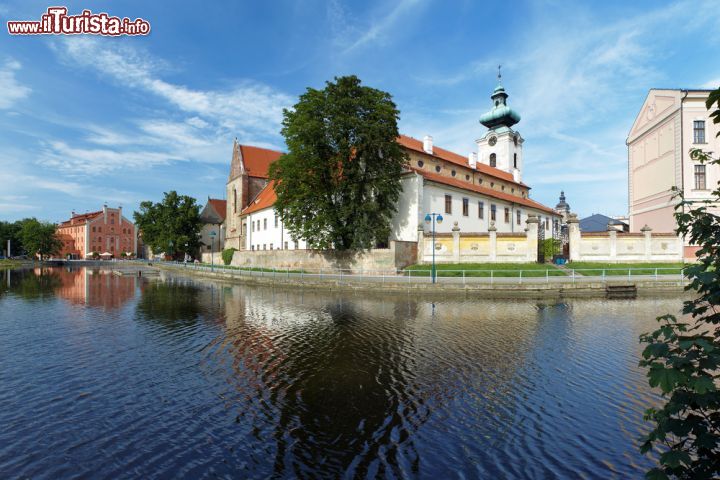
[40, 238]
[683, 357]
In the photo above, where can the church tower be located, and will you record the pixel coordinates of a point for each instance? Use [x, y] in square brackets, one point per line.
[236, 191]
[501, 146]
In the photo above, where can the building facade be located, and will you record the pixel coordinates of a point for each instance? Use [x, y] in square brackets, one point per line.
[248, 176]
[105, 232]
[213, 221]
[670, 123]
[476, 193]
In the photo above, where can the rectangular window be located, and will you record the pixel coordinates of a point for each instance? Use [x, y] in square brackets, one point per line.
[699, 177]
[547, 223]
[271, 246]
[699, 131]
[493, 212]
[252, 247]
[481, 210]
[276, 221]
[448, 204]
[507, 215]
[264, 223]
[253, 226]
[519, 217]
[264, 245]
[466, 207]
[286, 245]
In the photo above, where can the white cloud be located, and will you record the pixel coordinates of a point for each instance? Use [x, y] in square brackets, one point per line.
[248, 106]
[714, 83]
[75, 161]
[11, 91]
[348, 35]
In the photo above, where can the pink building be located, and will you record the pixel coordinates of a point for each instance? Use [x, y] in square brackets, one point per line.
[105, 232]
[670, 124]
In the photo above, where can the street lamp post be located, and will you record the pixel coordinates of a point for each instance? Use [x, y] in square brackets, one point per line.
[170, 243]
[431, 218]
[212, 250]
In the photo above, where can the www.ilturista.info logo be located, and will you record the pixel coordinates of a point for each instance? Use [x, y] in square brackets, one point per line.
[57, 22]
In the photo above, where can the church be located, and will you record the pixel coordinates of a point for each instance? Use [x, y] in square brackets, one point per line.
[475, 193]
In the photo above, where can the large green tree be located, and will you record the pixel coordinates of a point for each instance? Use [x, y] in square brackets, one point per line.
[171, 226]
[683, 356]
[339, 183]
[40, 238]
[11, 231]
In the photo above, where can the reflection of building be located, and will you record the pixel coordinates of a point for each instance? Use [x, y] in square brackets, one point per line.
[670, 123]
[97, 288]
[474, 192]
[106, 232]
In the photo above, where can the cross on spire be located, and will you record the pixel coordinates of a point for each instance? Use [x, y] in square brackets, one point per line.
[499, 74]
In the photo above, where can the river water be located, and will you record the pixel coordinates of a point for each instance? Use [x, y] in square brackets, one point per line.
[106, 376]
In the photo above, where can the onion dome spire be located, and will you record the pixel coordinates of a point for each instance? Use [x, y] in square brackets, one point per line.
[501, 114]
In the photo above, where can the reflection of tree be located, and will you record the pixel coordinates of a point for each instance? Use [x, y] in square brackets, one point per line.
[171, 304]
[342, 394]
[33, 284]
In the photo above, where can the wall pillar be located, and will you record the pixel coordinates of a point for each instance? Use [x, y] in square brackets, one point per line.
[574, 237]
[531, 233]
[612, 233]
[647, 232]
[456, 243]
[492, 231]
[421, 245]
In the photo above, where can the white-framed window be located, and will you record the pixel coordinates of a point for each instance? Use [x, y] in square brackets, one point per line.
[699, 131]
[700, 183]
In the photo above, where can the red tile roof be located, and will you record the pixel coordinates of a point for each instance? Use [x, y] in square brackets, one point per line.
[434, 177]
[266, 198]
[80, 219]
[447, 155]
[257, 160]
[220, 206]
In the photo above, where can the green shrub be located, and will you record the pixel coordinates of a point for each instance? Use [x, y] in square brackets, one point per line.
[227, 255]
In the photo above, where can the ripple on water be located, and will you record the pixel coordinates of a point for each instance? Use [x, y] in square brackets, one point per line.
[190, 379]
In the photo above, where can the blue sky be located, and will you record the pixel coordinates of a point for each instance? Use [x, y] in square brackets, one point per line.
[86, 120]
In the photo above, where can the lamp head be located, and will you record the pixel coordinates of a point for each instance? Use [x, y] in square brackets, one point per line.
[439, 219]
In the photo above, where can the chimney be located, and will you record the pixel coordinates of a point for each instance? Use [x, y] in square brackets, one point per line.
[472, 160]
[427, 144]
[105, 213]
[120, 215]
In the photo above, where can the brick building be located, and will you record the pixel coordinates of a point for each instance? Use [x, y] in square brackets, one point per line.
[104, 232]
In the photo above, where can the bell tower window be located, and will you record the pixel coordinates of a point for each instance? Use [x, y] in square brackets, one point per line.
[493, 160]
[514, 160]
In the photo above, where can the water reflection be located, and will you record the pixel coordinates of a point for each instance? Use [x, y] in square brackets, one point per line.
[234, 381]
[93, 287]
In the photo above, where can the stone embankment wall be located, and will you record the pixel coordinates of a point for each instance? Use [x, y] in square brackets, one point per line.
[398, 256]
[614, 246]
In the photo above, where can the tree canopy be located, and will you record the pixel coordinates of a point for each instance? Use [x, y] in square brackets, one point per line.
[171, 226]
[683, 356]
[11, 231]
[40, 238]
[339, 183]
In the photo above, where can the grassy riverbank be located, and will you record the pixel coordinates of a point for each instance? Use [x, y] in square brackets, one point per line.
[616, 269]
[487, 270]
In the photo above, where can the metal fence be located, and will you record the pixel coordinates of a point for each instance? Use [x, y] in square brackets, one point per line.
[465, 276]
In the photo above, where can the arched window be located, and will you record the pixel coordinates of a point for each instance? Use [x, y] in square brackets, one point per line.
[514, 160]
[493, 160]
[234, 200]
